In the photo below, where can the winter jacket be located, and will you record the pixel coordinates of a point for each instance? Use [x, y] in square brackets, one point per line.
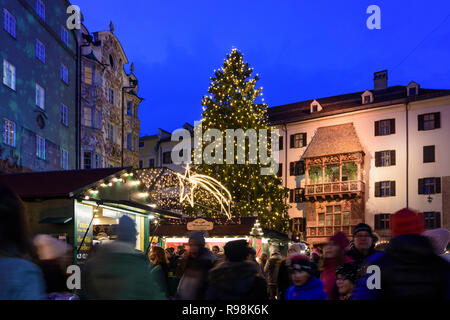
[312, 290]
[194, 280]
[118, 272]
[328, 277]
[409, 269]
[283, 281]
[271, 269]
[358, 257]
[160, 273]
[236, 281]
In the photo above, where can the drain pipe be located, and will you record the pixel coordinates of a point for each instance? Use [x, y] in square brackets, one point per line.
[407, 155]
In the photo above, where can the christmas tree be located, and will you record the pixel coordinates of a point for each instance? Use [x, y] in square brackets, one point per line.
[233, 104]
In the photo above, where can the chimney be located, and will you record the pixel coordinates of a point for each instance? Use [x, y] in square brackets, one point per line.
[380, 80]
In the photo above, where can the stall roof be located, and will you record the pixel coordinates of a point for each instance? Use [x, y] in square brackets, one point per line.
[55, 183]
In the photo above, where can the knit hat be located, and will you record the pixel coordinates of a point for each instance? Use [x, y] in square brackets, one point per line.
[301, 262]
[362, 227]
[340, 239]
[126, 230]
[407, 221]
[199, 236]
[236, 250]
[316, 251]
[439, 239]
[349, 270]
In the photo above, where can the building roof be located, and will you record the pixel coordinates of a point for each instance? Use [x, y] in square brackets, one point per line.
[335, 139]
[54, 183]
[300, 111]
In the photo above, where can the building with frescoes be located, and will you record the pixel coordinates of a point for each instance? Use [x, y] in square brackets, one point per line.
[359, 157]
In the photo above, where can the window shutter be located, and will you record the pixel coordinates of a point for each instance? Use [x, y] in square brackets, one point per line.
[438, 184]
[377, 159]
[377, 128]
[392, 124]
[428, 154]
[304, 139]
[302, 167]
[437, 120]
[392, 188]
[377, 189]
[420, 118]
[291, 168]
[421, 186]
[377, 221]
[392, 157]
[438, 219]
[280, 143]
[280, 170]
[291, 195]
[292, 140]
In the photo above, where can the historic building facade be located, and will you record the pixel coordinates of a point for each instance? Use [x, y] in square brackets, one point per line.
[360, 157]
[38, 94]
[109, 103]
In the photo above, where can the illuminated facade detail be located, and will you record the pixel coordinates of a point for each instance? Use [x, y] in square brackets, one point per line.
[109, 103]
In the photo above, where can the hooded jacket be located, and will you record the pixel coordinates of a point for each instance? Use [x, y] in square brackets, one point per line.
[312, 290]
[272, 267]
[240, 280]
[410, 270]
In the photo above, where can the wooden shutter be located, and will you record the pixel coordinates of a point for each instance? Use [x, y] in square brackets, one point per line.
[392, 189]
[437, 120]
[280, 170]
[421, 186]
[392, 125]
[377, 189]
[280, 143]
[378, 159]
[420, 119]
[304, 139]
[377, 221]
[291, 168]
[302, 167]
[437, 181]
[428, 154]
[377, 128]
[292, 140]
[291, 195]
[392, 157]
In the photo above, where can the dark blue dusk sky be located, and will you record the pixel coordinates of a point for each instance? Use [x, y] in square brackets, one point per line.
[302, 49]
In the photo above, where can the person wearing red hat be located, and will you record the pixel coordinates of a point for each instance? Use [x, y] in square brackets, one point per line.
[409, 268]
[333, 257]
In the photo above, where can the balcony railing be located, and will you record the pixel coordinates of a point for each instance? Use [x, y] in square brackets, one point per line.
[335, 187]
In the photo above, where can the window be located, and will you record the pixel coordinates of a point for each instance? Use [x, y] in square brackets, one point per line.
[9, 75]
[98, 79]
[9, 133]
[111, 130]
[432, 220]
[64, 36]
[129, 108]
[280, 143]
[296, 168]
[385, 158]
[98, 160]
[9, 23]
[136, 113]
[64, 73]
[40, 51]
[40, 9]
[87, 116]
[412, 91]
[141, 163]
[385, 189]
[429, 121]
[167, 157]
[40, 97]
[429, 185]
[87, 160]
[87, 75]
[40, 147]
[111, 61]
[141, 144]
[64, 115]
[280, 170]
[296, 195]
[382, 221]
[298, 140]
[384, 127]
[346, 218]
[64, 159]
[315, 108]
[321, 219]
[428, 154]
[99, 120]
[366, 99]
[129, 141]
[151, 163]
[111, 96]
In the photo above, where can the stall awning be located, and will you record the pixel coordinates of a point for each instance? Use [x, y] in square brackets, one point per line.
[56, 220]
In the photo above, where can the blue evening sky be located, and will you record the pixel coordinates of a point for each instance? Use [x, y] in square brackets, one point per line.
[302, 49]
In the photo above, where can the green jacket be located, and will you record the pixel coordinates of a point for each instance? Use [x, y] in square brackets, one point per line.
[117, 272]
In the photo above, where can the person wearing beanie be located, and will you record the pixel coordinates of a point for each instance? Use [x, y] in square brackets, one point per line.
[305, 286]
[333, 256]
[237, 278]
[346, 276]
[271, 270]
[363, 245]
[409, 267]
[439, 239]
[193, 269]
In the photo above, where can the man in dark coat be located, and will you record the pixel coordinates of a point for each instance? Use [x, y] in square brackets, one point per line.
[363, 243]
[410, 270]
[236, 278]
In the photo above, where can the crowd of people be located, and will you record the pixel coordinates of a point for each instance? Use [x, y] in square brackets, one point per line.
[412, 266]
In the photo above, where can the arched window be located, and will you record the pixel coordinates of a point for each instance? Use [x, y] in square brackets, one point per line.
[111, 61]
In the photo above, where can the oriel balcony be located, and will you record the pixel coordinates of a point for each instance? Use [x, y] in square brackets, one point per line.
[335, 188]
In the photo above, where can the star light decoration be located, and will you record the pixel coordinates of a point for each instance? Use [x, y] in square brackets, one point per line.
[190, 182]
